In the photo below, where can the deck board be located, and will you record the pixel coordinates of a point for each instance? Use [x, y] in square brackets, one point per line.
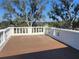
[19, 45]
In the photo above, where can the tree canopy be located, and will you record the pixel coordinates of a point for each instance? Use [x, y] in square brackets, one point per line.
[23, 10]
[66, 10]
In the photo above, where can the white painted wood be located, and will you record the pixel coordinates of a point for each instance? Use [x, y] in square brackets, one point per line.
[29, 31]
[4, 37]
[70, 37]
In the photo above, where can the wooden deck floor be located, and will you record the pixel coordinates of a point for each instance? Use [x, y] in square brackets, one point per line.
[36, 47]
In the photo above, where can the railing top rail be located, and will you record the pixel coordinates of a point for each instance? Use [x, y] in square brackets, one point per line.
[70, 30]
[1, 30]
[28, 27]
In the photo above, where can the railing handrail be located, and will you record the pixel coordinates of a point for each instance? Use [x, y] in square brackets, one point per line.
[1, 30]
[4, 29]
[30, 27]
[70, 30]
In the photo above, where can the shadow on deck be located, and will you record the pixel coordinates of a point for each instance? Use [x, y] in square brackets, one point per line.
[37, 47]
[63, 53]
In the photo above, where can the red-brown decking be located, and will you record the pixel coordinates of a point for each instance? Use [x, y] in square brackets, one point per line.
[36, 47]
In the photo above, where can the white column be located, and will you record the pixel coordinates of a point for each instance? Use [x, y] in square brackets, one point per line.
[11, 31]
[54, 32]
[4, 36]
[29, 30]
[44, 30]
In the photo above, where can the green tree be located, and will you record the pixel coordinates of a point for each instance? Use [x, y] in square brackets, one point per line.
[18, 9]
[36, 9]
[66, 10]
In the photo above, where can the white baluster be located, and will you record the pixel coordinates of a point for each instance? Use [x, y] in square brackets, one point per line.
[4, 36]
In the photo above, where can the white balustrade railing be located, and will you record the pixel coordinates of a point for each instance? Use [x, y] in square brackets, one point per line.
[4, 36]
[1, 37]
[29, 30]
[6, 33]
[69, 37]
